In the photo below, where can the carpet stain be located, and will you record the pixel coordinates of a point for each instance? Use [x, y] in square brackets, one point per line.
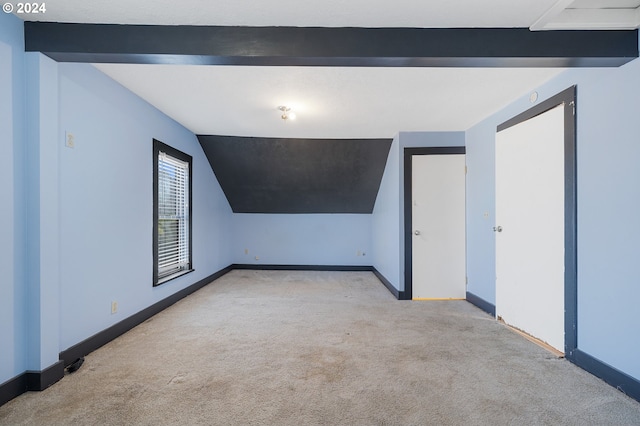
[215, 389]
[325, 363]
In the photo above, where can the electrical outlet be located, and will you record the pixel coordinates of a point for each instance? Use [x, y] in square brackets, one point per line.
[359, 253]
[114, 307]
[246, 251]
[257, 257]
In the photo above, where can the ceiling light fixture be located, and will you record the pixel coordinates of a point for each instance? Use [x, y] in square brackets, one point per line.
[287, 114]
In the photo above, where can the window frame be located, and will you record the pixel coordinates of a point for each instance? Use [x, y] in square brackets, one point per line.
[159, 147]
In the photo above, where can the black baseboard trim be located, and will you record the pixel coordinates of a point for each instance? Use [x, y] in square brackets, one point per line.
[479, 302]
[94, 342]
[400, 295]
[614, 377]
[405, 295]
[340, 268]
[13, 388]
[105, 336]
[31, 381]
[40, 380]
[397, 293]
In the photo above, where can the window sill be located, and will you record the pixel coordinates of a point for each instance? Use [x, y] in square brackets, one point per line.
[172, 276]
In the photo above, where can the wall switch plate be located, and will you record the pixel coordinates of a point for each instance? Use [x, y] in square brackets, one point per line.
[246, 251]
[114, 307]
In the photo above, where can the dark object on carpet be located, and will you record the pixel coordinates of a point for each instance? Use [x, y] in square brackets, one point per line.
[75, 365]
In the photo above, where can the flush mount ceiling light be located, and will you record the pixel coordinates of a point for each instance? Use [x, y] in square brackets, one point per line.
[287, 114]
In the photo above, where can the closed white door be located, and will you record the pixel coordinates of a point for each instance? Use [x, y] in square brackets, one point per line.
[438, 221]
[530, 226]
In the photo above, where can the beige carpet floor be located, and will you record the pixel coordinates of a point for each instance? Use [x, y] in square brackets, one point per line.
[321, 348]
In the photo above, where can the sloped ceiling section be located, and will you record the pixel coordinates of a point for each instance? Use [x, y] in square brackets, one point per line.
[590, 15]
[275, 175]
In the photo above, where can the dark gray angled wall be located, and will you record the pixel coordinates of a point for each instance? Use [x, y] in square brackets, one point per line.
[272, 175]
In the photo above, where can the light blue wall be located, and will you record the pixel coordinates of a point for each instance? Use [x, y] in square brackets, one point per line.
[480, 148]
[42, 212]
[608, 131]
[608, 225]
[81, 219]
[13, 315]
[302, 239]
[480, 209]
[386, 222]
[106, 204]
[388, 253]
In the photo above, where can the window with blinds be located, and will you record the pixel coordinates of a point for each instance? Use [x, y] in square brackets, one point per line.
[172, 213]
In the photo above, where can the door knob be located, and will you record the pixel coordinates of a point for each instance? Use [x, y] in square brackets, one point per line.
[416, 232]
[497, 229]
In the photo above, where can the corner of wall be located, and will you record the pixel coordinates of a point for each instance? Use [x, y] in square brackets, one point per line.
[13, 316]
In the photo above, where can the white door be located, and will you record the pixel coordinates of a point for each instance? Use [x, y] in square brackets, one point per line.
[438, 221]
[530, 226]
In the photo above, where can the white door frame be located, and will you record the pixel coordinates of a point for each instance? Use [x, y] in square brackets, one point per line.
[407, 294]
[568, 99]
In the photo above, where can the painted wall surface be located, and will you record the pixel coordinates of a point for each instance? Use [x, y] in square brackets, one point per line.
[386, 224]
[42, 212]
[106, 204]
[480, 148]
[302, 239]
[608, 225]
[389, 257]
[608, 200]
[480, 205]
[13, 315]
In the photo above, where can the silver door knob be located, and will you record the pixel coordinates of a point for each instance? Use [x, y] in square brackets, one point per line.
[497, 229]
[416, 232]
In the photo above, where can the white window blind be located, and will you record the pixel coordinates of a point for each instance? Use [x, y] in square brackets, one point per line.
[173, 215]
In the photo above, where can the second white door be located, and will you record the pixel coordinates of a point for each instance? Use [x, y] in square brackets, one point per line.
[438, 222]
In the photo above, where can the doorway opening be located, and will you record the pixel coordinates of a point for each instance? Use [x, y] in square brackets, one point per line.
[442, 157]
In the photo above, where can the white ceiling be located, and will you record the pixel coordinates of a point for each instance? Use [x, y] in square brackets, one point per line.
[302, 13]
[330, 102]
